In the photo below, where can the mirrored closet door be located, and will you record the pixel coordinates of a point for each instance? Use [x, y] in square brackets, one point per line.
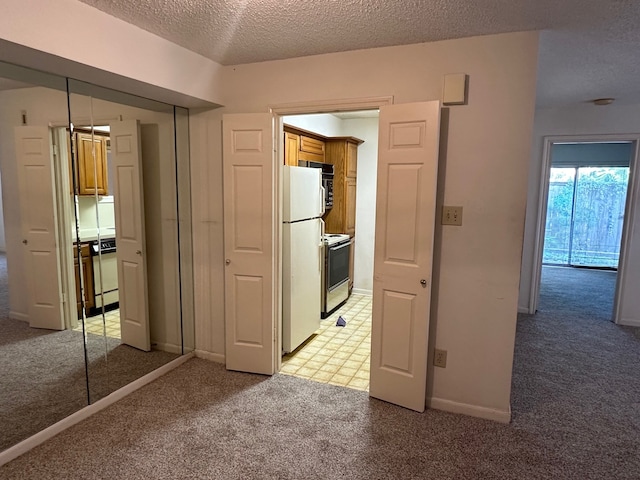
[96, 217]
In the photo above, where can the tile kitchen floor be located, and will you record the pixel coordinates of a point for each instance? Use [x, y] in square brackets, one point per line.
[337, 355]
[111, 324]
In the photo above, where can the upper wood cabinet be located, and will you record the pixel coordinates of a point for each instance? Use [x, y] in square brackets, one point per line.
[291, 149]
[91, 164]
[302, 145]
[87, 276]
[343, 154]
[311, 145]
[350, 210]
[352, 159]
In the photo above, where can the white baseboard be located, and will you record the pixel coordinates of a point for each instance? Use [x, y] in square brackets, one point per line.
[49, 432]
[362, 291]
[471, 410]
[629, 322]
[19, 316]
[213, 357]
[523, 309]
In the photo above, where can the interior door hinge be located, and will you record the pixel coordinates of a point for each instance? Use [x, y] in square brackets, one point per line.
[63, 298]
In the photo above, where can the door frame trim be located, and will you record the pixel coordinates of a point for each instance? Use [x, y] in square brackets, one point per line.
[331, 106]
[64, 240]
[627, 228]
[301, 108]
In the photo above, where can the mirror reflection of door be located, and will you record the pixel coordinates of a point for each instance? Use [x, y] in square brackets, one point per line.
[52, 370]
[131, 265]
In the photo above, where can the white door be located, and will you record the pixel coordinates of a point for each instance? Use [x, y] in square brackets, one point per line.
[405, 219]
[39, 234]
[126, 155]
[250, 259]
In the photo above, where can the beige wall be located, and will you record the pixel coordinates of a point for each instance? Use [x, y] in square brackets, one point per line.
[484, 166]
[580, 120]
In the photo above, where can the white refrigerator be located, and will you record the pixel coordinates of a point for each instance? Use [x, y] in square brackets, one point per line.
[302, 231]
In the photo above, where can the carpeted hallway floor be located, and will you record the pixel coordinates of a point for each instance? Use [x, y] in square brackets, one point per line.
[576, 415]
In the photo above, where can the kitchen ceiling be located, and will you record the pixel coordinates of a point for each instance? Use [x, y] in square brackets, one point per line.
[588, 48]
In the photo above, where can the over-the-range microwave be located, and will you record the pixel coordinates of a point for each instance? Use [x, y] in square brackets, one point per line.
[327, 179]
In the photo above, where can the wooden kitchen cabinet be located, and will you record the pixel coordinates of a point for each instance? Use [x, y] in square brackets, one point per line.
[302, 145]
[291, 149]
[92, 179]
[311, 145]
[350, 207]
[343, 154]
[87, 276]
[352, 159]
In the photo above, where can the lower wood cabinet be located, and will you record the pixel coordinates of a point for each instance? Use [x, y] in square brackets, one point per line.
[87, 276]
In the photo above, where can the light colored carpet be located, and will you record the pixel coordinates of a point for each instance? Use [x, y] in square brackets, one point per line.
[575, 401]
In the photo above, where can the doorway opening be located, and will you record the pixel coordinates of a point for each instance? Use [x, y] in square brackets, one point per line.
[586, 201]
[405, 217]
[86, 225]
[336, 349]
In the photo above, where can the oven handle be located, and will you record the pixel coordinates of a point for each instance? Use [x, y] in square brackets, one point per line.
[346, 280]
[321, 247]
[334, 248]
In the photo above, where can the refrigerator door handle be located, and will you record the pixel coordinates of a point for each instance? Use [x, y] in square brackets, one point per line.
[321, 247]
[323, 203]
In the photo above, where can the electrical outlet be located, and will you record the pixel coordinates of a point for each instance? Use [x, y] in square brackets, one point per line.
[440, 358]
[451, 215]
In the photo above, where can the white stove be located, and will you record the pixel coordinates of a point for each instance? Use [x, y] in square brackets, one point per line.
[335, 275]
[105, 272]
[333, 238]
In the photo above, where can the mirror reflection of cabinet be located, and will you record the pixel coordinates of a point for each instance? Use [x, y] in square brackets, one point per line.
[87, 276]
[92, 177]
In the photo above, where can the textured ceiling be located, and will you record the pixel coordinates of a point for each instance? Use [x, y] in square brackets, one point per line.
[588, 47]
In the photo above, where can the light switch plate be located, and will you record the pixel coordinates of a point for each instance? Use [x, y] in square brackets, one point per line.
[451, 215]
